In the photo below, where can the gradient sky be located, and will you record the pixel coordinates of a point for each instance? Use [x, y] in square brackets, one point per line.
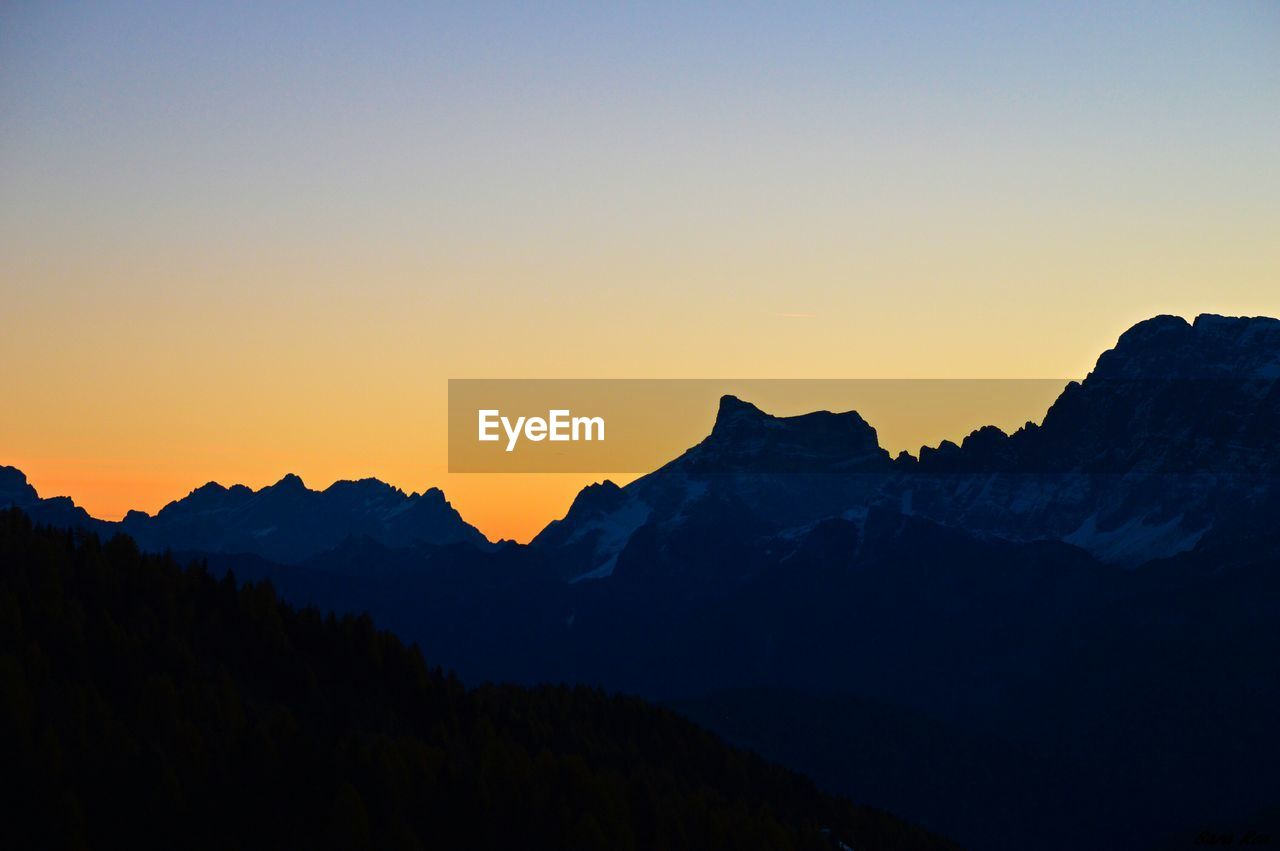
[241, 239]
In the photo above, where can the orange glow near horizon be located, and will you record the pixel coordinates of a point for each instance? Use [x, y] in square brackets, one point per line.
[514, 507]
[127, 428]
[518, 505]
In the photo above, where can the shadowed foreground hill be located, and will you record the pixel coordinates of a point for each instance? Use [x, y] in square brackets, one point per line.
[151, 706]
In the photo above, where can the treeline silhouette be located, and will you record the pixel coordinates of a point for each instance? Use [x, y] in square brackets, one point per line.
[148, 705]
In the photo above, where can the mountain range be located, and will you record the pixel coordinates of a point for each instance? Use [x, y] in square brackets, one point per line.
[1075, 624]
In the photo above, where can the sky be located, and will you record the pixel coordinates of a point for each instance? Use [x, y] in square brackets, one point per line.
[244, 239]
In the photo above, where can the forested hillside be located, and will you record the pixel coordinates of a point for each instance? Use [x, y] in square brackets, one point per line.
[149, 705]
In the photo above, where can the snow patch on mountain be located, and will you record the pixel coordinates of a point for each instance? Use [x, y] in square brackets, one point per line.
[604, 571]
[1136, 540]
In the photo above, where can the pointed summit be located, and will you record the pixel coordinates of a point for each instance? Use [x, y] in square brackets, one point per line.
[597, 498]
[291, 481]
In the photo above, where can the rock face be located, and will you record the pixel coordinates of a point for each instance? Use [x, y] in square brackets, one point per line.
[14, 488]
[745, 439]
[1234, 347]
[1174, 429]
[754, 474]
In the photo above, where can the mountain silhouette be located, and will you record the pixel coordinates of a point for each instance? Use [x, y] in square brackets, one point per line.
[746, 438]
[1175, 428]
[285, 522]
[1095, 597]
[60, 511]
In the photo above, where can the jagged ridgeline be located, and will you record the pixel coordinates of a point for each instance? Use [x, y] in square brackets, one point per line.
[145, 705]
[1075, 625]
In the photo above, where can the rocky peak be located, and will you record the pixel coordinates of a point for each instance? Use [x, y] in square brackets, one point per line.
[746, 439]
[1169, 347]
[15, 489]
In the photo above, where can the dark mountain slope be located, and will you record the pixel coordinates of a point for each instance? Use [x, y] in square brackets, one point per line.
[148, 706]
[897, 758]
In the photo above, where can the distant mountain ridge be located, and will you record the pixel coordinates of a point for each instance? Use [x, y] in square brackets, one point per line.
[16, 491]
[1172, 398]
[1175, 427]
[286, 522]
